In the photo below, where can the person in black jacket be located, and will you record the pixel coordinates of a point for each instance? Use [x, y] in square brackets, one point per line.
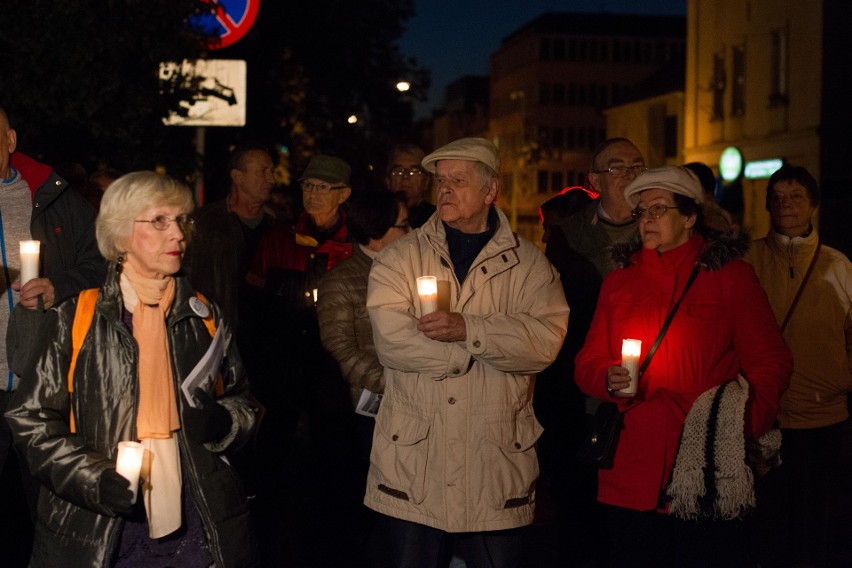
[35, 203]
[134, 379]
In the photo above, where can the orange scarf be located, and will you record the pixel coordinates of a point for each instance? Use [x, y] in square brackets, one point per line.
[149, 300]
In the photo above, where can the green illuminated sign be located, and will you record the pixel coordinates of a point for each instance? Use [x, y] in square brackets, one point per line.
[731, 163]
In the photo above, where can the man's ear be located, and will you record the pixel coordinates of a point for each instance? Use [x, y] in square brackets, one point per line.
[345, 193]
[13, 139]
[236, 176]
[493, 191]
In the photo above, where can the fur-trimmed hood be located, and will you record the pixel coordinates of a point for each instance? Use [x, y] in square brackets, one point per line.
[719, 249]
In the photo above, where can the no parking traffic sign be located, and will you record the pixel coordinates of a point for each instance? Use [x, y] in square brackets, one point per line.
[231, 21]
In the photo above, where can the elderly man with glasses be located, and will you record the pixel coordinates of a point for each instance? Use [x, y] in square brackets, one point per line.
[579, 247]
[406, 175]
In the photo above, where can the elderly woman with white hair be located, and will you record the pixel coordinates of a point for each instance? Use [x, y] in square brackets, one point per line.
[119, 364]
[679, 484]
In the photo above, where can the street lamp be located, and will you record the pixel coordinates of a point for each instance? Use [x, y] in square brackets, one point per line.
[403, 86]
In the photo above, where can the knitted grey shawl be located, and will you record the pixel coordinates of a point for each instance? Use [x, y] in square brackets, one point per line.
[729, 493]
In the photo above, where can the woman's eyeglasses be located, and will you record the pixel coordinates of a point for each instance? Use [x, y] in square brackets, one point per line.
[161, 222]
[654, 211]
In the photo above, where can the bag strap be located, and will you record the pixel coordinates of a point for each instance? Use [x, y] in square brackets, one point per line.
[801, 287]
[83, 316]
[669, 318]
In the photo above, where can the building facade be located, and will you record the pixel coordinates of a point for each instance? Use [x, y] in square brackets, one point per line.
[550, 83]
[768, 78]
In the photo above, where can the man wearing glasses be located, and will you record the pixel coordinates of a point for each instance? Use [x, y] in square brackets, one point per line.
[579, 248]
[406, 175]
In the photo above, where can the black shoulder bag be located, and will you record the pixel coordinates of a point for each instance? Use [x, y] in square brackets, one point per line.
[598, 449]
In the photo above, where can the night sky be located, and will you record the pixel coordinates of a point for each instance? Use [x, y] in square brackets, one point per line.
[454, 38]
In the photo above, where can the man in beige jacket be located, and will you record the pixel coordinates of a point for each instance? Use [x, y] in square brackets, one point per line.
[454, 464]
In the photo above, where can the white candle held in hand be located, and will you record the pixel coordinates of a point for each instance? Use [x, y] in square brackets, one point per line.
[427, 289]
[128, 464]
[29, 260]
[630, 351]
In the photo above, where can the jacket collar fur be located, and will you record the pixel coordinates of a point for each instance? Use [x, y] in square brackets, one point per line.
[718, 250]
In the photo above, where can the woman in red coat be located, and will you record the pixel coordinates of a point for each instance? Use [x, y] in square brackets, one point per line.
[724, 327]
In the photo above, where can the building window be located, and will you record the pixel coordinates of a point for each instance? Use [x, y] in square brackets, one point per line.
[559, 94]
[543, 137]
[584, 51]
[616, 51]
[556, 181]
[542, 181]
[581, 95]
[571, 177]
[558, 138]
[581, 137]
[572, 94]
[544, 49]
[572, 49]
[738, 87]
[544, 93]
[559, 49]
[718, 86]
[604, 51]
[778, 96]
[570, 141]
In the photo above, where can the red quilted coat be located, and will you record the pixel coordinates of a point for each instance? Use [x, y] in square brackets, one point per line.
[724, 325]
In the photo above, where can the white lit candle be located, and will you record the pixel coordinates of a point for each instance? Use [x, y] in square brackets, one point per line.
[427, 289]
[630, 351]
[316, 295]
[29, 260]
[128, 464]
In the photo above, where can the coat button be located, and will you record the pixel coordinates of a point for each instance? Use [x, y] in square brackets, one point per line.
[394, 437]
[451, 400]
[517, 445]
[456, 371]
[476, 343]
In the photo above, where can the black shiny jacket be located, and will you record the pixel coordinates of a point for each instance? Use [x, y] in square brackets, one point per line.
[74, 528]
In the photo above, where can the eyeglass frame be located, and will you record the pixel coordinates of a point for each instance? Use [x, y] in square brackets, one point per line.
[401, 172]
[185, 222]
[638, 169]
[638, 212]
[317, 188]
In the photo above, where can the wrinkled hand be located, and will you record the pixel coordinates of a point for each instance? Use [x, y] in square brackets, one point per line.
[443, 326]
[617, 378]
[31, 290]
[114, 492]
[210, 422]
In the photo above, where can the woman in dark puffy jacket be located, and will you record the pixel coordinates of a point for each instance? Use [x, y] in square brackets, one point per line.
[133, 379]
[375, 221]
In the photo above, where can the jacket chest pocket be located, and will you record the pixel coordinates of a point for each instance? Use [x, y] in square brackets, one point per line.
[400, 452]
[512, 462]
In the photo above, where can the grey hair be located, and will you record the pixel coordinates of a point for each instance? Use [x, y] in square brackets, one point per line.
[485, 173]
[127, 197]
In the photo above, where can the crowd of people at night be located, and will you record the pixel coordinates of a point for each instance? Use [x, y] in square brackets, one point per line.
[392, 377]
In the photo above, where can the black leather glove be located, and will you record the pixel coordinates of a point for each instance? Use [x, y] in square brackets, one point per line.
[114, 492]
[210, 422]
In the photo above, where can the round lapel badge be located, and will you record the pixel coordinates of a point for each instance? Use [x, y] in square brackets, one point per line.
[199, 307]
